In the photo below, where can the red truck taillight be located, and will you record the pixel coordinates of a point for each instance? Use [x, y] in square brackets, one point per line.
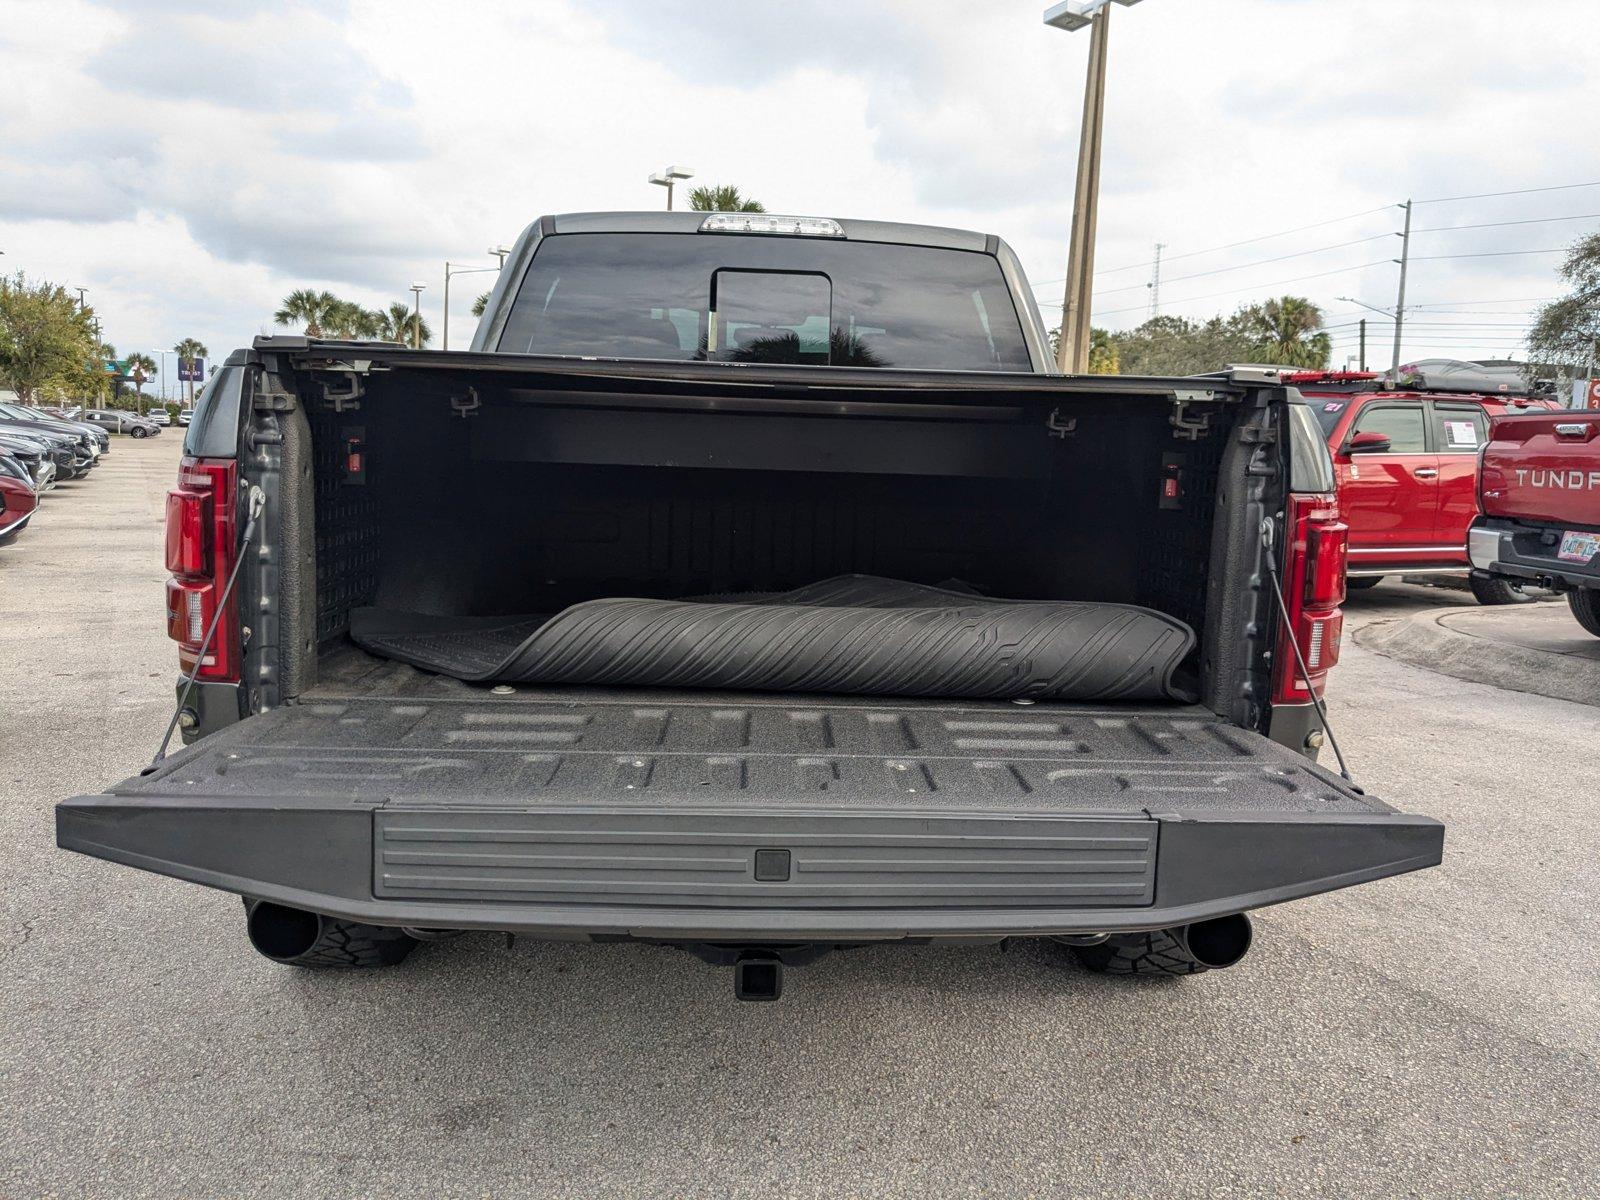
[1314, 579]
[200, 554]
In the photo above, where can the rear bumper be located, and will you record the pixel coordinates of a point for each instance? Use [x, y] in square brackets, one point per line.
[641, 872]
[1502, 546]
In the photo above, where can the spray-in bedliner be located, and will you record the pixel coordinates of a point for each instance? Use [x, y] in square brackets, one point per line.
[854, 634]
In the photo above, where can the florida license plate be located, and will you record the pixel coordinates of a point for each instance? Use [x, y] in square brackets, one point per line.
[1580, 547]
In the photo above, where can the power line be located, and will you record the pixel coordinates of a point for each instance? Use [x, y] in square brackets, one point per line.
[1261, 262]
[1265, 237]
[1253, 286]
[1560, 187]
[1486, 254]
[1503, 224]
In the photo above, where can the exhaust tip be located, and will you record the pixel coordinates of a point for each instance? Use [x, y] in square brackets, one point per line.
[281, 933]
[1220, 942]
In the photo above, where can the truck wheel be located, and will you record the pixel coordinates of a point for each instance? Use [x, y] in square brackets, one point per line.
[1492, 589]
[306, 939]
[1360, 583]
[1585, 604]
[1187, 950]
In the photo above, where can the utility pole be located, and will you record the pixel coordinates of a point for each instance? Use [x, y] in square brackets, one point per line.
[1073, 358]
[1363, 343]
[1400, 301]
[1155, 283]
[81, 304]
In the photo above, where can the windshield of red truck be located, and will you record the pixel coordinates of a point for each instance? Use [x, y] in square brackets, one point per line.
[733, 298]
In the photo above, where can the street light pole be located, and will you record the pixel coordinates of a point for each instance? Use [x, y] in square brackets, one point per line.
[1072, 355]
[669, 177]
[449, 270]
[416, 317]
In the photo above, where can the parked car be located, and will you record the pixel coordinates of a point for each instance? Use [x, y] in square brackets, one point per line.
[185, 416]
[68, 451]
[18, 499]
[160, 416]
[1540, 495]
[35, 455]
[91, 441]
[700, 416]
[1407, 459]
[117, 420]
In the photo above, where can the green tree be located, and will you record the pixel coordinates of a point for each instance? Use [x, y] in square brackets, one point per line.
[722, 197]
[1286, 332]
[47, 342]
[1104, 352]
[1566, 332]
[140, 368]
[480, 304]
[189, 352]
[396, 324]
[349, 321]
[309, 308]
[1178, 346]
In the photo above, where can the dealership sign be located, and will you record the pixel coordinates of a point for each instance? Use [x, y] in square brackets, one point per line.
[193, 371]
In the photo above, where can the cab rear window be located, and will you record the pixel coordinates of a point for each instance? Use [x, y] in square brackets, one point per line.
[744, 298]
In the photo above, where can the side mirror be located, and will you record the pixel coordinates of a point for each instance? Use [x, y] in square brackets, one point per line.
[1370, 443]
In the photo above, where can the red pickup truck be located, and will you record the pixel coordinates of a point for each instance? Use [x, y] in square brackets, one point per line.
[1540, 494]
[1407, 461]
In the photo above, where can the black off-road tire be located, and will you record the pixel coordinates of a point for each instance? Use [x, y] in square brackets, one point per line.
[1492, 590]
[344, 944]
[1156, 953]
[1585, 604]
[1360, 583]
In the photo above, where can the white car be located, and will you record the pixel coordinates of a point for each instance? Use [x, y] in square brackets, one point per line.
[160, 416]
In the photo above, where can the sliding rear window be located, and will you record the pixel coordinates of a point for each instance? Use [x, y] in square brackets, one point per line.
[755, 298]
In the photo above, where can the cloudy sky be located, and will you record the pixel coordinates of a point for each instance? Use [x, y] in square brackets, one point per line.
[190, 162]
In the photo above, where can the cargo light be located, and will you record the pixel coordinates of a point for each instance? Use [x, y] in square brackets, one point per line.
[766, 223]
[1314, 574]
[200, 555]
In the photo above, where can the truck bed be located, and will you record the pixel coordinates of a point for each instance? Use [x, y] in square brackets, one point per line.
[399, 798]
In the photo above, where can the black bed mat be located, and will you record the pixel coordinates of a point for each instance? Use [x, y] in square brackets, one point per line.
[853, 635]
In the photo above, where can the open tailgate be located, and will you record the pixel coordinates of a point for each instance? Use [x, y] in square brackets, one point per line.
[730, 816]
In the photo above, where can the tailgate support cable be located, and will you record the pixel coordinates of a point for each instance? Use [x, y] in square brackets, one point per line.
[257, 501]
[1267, 540]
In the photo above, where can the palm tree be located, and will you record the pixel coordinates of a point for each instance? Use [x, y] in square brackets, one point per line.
[481, 303]
[189, 351]
[1287, 331]
[722, 197]
[306, 307]
[399, 322]
[348, 320]
[140, 368]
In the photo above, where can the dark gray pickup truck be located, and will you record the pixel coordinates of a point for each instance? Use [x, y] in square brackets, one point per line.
[754, 586]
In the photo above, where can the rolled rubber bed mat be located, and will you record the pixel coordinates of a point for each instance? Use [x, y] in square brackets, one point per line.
[854, 634]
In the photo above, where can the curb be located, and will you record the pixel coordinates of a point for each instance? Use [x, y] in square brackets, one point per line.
[1422, 641]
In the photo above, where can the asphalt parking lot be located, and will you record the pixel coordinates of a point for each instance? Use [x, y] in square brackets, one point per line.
[1433, 1035]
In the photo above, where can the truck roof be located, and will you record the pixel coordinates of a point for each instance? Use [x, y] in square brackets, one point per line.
[895, 232]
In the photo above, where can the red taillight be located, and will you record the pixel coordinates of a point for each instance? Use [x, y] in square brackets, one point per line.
[200, 555]
[1314, 586]
[188, 532]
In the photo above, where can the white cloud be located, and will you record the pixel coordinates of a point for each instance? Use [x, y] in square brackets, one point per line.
[192, 162]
